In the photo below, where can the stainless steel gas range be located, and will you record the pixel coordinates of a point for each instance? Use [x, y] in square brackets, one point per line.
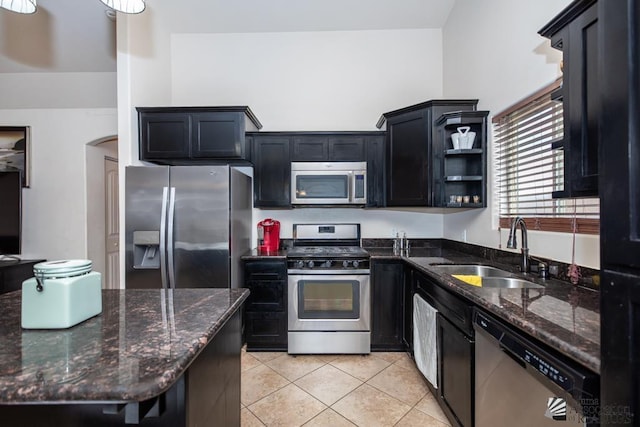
[329, 290]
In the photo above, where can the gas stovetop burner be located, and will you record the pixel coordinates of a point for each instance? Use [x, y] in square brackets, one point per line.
[326, 251]
[327, 247]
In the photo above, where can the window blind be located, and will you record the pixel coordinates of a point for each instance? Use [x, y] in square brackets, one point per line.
[529, 167]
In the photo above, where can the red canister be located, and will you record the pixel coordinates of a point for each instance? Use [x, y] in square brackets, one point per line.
[268, 235]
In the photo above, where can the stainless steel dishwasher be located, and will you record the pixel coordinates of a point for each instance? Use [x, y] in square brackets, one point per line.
[520, 383]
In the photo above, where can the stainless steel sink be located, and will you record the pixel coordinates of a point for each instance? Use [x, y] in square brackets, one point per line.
[508, 282]
[491, 277]
[472, 270]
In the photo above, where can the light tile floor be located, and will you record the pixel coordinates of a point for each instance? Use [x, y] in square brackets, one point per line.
[380, 389]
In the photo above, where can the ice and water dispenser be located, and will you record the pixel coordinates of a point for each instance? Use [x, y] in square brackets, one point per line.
[146, 250]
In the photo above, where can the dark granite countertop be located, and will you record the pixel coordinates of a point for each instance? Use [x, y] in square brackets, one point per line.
[256, 254]
[140, 344]
[562, 316]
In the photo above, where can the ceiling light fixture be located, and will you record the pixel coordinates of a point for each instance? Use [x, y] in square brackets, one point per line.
[20, 6]
[125, 6]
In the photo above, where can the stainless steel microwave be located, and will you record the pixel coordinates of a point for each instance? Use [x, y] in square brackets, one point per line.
[328, 183]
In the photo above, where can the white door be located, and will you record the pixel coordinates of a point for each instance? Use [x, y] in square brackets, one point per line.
[112, 225]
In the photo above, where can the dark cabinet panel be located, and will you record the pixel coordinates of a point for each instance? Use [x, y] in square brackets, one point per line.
[619, 31]
[272, 171]
[455, 374]
[409, 162]
[387, 280]
[310, 149]
[265, 311]
[347, 148]
[375, 171]
[407, 315]
[218, 135]
[575, 32]
[333, 147]
[266, 330]
[164, 136]
[179, 135]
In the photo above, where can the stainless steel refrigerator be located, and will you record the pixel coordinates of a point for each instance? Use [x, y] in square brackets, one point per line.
[186, 226]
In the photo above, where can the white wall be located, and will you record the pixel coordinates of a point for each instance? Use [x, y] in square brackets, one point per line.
[57, 90]
[54, 207]
[329, 80]
[492, 52]
[305, 81]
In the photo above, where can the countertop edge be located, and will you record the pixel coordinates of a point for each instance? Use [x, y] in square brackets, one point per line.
[144, 389]
[153, 388]
[584, 358]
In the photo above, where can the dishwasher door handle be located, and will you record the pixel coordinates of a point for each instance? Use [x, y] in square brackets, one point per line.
[515, 358]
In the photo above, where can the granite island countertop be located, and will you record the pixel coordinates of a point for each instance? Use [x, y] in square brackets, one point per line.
[140, 344]
[560, 315]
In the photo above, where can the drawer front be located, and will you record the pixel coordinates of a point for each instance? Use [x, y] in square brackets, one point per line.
[266, 330]
[265, 270]
[266, 296]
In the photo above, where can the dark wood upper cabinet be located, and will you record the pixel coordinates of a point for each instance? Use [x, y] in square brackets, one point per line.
[271, 170]
[273, 152]
[332, 147]
[172, 135]
[347, 148]
[411, 133]
[375, 171]
[310, 148]
[575, 32]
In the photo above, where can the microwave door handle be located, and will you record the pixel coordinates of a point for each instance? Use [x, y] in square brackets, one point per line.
[352, 186]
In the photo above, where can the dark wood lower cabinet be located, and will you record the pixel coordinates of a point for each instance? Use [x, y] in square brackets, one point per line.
[455, 374]
[266, 330]
[265, 314]
[387, 287]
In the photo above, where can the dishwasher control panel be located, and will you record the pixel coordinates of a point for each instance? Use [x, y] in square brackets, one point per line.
[531, 356]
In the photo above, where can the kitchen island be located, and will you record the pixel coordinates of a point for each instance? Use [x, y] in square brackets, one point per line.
[152, 357]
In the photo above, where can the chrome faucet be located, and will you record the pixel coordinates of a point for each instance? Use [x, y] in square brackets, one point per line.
[512, 243]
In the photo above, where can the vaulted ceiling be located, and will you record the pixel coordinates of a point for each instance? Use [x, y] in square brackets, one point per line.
[78, 36]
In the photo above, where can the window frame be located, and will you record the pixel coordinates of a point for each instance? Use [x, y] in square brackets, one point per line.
[579, 213]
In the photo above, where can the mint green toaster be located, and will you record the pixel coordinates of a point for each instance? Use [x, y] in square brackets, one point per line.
[62, 294]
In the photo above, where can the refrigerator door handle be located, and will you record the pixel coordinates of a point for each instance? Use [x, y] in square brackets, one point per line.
[170, 240]
[163, 238]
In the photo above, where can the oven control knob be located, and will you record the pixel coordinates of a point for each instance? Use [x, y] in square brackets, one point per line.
[345, 264]
[299, 264]
[310, 264]
[327, 264]
[355, 264]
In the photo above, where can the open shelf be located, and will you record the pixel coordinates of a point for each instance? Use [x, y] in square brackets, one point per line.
[459, 178]
[452, 152]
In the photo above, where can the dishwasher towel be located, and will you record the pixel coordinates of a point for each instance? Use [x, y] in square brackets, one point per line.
[425, 344]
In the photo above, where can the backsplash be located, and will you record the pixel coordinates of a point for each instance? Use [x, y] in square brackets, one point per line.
[430, 247]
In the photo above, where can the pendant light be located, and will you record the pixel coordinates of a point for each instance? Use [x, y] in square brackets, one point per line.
[125, 6]
[20, 6]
